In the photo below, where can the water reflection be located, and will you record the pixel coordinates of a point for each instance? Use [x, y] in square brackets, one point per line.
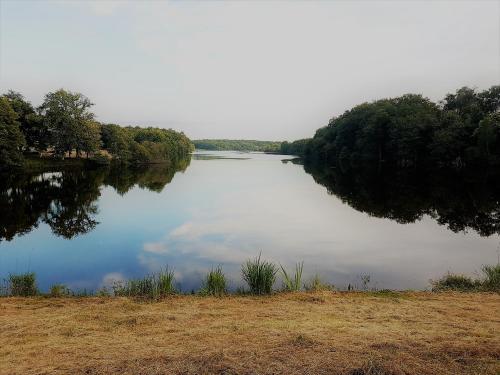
[222, 211]
[460, 201]
[66, 201]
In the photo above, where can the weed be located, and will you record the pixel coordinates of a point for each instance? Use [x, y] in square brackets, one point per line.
[259, 275]
[292, 284]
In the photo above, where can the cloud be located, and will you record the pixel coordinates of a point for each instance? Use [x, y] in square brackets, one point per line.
[155, 247]
[109, 279]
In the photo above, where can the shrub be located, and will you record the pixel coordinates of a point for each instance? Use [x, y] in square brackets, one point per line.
[23, 285]
[59, 290]
[455, 282]
[292, 284]
[315, 284]
[101, 159]
[215, 283]
[491, 281]
[259, 275]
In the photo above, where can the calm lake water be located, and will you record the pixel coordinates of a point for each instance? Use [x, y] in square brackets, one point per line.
[88, 228]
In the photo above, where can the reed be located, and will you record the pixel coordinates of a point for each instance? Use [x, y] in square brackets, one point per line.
[215, 283]
[491, 280]
[292, 283]
[259, 275]
[153, 286]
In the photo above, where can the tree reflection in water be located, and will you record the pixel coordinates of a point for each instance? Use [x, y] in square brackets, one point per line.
[461, 201]
[67, 200]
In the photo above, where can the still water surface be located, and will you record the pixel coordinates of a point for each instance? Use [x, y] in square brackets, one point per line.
[88, 228]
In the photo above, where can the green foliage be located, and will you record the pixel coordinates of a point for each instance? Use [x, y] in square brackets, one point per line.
[154, 286]
[259, 275]
[316, 284]
[23, 285]
[30, 121]
[101, 159]
[215, 283]
[11, 138]
[65, 126]
[412, 131]
[298, 147]
[60, 290]
[236, 145]
[292, 284]
[455, 282]
[69, 120]
[491, 281]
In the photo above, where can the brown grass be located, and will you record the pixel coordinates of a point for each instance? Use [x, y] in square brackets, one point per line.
[301, 333]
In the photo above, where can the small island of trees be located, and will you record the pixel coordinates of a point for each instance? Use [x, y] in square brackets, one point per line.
[63, 126]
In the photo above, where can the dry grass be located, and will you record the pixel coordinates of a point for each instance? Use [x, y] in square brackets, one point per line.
[295, 333]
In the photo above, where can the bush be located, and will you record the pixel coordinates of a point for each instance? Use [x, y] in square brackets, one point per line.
[59, 290]
[455, 282]
[259, 275]
[491, 281]
[101, 159]
[315, 284]
[23, 285]
[215, 283]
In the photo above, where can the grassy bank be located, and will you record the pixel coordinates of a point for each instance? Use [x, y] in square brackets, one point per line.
[289, 333]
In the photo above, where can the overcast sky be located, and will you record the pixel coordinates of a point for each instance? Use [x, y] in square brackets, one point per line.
[260, 70]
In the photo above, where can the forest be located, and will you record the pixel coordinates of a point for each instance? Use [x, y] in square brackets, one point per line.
[411, 131]
[64, 126]
[237, 145]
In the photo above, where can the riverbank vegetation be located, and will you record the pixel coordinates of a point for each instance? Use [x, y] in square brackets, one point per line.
[411, 131]
[236, 145]
[64, 126]
[259, 275]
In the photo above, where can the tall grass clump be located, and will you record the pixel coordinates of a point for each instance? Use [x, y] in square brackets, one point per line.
[491, 280]
[316, 284]
[60, 290]
[153, 286]
[259, 275]
[455, 282]
[215, 283]
[23, 285]
[292, 283]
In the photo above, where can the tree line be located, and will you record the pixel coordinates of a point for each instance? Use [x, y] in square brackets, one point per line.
[237, 145]
[410, 131]
[64, 126]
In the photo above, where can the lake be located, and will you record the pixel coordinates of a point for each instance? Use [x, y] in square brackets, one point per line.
[89, 228]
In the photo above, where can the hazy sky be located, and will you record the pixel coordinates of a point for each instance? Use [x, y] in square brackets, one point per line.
[261, 70]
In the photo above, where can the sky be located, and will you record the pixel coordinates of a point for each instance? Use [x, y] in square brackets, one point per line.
[247, 70]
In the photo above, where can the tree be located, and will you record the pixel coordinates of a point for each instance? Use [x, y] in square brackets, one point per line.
[487, 135]
[68, 119]
[90, 138]
[30, 122]
[11, 138]
[116, 141]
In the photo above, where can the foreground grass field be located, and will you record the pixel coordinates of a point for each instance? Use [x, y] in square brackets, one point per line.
[289, 333]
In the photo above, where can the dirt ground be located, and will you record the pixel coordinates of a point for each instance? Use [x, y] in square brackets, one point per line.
[294, 333]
